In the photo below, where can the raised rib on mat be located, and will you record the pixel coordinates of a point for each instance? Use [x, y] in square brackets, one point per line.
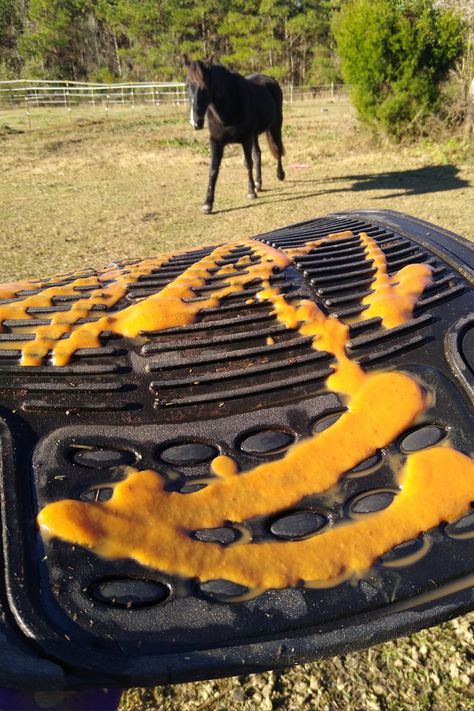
[370, 358]
[211, 342]
[382, 335]
[243, 392]
[203, 379]
[216, 323]
[231, 355]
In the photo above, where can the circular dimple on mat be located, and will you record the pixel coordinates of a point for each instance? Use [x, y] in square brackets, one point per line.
[221, 589]
[97, 494]
[268, 441]
[187, 454]
[422, 438]
[224, 535]
[191, 487]
[370, 502]
[462, 528]
[129, 593]
[407, 549]
[298, 524]
[369, 463]
[101, 457]
[324, 422]
[467, 347]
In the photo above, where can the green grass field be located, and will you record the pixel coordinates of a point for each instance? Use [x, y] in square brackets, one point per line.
[79, 188]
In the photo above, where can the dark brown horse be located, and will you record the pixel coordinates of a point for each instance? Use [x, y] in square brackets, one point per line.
[238, 110]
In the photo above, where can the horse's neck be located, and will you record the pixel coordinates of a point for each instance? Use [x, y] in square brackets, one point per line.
[227, 103]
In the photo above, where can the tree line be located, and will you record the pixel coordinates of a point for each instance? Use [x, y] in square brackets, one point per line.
[107, 40]
[405, 60]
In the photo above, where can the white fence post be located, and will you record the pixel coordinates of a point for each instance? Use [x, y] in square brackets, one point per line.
[28, 111]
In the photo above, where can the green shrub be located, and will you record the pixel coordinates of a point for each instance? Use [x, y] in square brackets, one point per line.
[395, 55]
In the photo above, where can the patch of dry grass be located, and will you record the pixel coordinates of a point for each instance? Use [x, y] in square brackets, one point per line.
[81, 189]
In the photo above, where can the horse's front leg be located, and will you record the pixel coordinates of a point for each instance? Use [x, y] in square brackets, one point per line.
[247, 146]
[217, 151]
[257, 157]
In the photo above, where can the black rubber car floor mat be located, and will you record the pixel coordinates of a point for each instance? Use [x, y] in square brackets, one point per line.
[237, 457]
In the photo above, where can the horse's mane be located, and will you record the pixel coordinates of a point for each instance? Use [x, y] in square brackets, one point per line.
[196, 73]
[198, 67]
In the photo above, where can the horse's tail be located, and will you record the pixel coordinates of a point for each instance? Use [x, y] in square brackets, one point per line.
[274, 138]
[275, 144]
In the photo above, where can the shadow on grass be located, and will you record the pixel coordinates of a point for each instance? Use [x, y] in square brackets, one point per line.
[401, 183]
[275, 199]
[430, 179]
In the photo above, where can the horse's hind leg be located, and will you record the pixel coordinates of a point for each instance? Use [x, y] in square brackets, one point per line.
[280, 171]
[257, 157]
[247, 146]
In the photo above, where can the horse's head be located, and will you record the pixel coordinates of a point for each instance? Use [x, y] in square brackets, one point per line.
[198, 86]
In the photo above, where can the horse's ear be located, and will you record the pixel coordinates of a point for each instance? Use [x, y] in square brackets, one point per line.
[209, 61]
[186, 61]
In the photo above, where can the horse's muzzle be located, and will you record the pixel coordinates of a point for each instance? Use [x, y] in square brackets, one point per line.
[197, 125]
[196, 122]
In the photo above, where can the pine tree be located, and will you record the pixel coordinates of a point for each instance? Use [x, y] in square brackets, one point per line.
[12, 17]
[60, 41]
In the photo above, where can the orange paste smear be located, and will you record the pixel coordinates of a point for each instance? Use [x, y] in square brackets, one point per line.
[154, 526]
[168, 308]
[107, 287]
[143, 522]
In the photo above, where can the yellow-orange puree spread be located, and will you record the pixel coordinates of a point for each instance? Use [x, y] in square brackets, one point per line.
[153, 526]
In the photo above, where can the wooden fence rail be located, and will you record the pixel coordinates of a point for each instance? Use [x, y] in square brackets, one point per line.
[43, 93]
[69, 94]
